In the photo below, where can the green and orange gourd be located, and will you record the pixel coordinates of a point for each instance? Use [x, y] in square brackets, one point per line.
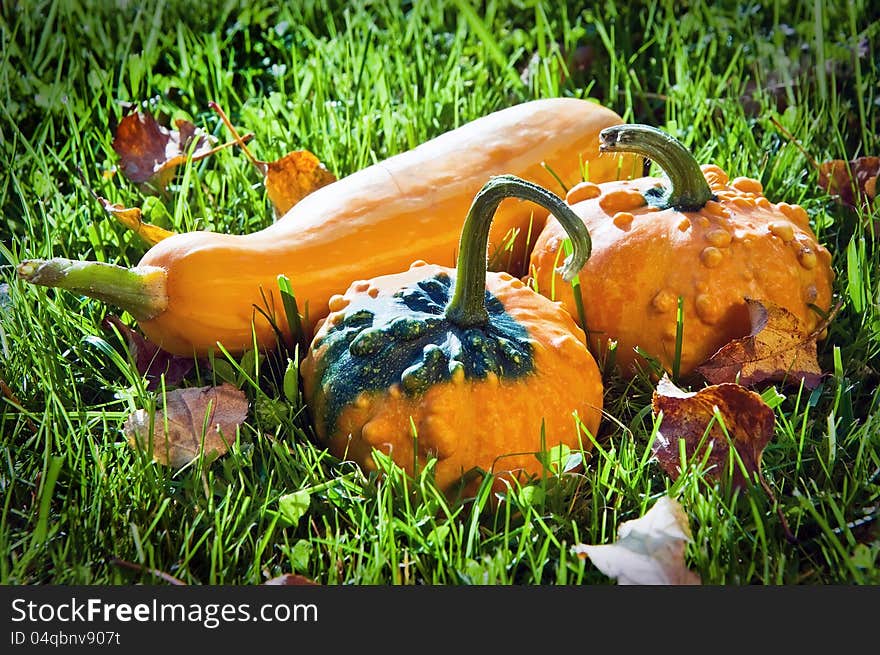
[699, 242]
[194, 290]
[460, 366]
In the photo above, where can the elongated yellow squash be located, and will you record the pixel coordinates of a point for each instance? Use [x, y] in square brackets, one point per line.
[193, 290]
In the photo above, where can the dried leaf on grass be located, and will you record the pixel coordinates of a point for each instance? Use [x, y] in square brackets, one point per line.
[133, 219]
[709, 421]
[649, 550]
[151, 361]
[149, 153]
[293, 177]
[193, 422]
[290, 579]
[288, 179]
[854, 182]
[778, 349]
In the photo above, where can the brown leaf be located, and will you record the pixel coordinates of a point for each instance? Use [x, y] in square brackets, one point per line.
[697, 418]
[151, 361]
[778, 349]
[649, 550]
[192, 422]
[293, 177]
[853, 182]
[149, 153]
[290, 579]
[132, 218]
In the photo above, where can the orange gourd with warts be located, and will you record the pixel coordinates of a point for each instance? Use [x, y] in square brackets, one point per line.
[192, 291]
[456, 365]
[708, 240]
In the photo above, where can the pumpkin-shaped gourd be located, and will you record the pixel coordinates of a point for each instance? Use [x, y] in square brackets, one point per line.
[700, 242]
[455, 364]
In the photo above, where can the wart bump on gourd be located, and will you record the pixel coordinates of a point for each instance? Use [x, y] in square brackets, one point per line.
[460, 365]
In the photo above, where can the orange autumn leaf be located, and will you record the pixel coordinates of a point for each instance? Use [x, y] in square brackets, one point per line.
[132, 218]
[710, 422]
[853, 182]
[188, 423]
[293, 177]
[778, 349]
[149, 153]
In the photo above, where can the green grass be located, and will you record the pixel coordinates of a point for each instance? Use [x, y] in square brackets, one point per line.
[355, 85]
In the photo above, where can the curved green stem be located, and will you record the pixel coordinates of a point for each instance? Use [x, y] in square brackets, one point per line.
[468, 304]
[688, 188]
[141, 291]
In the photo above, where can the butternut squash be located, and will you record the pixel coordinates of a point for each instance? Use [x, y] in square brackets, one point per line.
[193, 290]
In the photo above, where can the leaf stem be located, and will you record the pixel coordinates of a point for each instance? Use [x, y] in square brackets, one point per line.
[237, 138]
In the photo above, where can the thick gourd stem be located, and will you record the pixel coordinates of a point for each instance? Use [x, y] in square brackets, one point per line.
[141, 291]
[688, 188]
[468, 304]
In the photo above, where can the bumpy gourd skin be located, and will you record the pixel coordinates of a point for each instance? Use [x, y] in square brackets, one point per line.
[468, 416]
[738, 246]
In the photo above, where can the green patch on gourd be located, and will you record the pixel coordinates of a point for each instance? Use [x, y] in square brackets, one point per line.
[407, 339]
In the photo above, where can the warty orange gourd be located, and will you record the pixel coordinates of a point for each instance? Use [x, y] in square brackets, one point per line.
[699, 237]
[456, 365]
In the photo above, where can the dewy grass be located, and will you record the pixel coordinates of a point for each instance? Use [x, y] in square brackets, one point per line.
[354, 87]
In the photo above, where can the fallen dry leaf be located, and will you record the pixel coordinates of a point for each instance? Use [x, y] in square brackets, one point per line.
[778, 349]
[151, 361]
[289, 179]
[132, 218]
[193, 421]
[290, 579]
[293, 177]
[853, 182]
[697, 417]
[649, 550]
[149, 153]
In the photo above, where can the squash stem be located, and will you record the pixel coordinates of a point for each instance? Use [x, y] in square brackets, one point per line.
[688, 188]
[141, 291]
[468, 304]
